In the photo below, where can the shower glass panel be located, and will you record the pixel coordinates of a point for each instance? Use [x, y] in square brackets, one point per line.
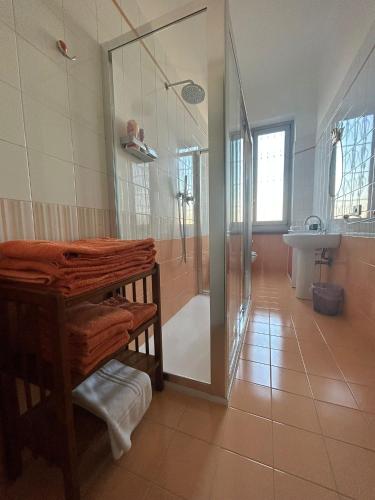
[238, 203]
[163, 198]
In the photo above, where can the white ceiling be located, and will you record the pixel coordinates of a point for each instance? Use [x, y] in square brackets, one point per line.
[293, 54]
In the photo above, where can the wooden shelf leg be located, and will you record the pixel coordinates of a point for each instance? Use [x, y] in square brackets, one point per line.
[69, 452]
[9, 410]
[159, 377]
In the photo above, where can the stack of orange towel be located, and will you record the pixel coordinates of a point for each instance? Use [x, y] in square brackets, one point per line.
[72, 268]
[95, 330]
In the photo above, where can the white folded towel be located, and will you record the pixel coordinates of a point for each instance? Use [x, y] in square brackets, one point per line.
[120, 395]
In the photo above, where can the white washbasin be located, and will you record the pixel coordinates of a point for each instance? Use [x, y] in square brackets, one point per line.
[304, 246]
[312, 241]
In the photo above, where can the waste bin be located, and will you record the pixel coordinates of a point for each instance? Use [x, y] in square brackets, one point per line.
[328, 298]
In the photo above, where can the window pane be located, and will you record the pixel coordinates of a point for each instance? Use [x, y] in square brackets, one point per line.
[270, 177]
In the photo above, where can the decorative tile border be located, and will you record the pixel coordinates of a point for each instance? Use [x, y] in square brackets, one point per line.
[55, 222]
[16, 220]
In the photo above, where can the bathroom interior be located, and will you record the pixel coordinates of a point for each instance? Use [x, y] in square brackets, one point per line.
[232, 143]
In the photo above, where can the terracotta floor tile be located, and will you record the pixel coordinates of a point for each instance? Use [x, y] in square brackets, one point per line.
[150, 442]
[282, 331]
[257, 339]
[203, 420]
[313, 344]
[353, 468]
[302, 453]
[167, 407]
[303, 321]
[365, 397]
[259, 327]
[156, 493]
[359, 374]
[307, 331]
[248, 435]
[284, 343]
[294, 410]
[332, 391]
[322, 364]
[251, 398]
[289, 487]
[256, 353]
[290, 381]
[189, 467]
[345, 424]
[280, 318]
[344, 355]
[116, 483]
[287, 359]
[38, 481]
[256, 373]
[261, 313]
[269, 304]
[238, 478]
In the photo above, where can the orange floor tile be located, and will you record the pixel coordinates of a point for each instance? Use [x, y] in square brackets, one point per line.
[300, 423]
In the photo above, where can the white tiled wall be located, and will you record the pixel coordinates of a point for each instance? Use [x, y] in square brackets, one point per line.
[147, 192]
[303, 183]
[353, 110]
[52, 144]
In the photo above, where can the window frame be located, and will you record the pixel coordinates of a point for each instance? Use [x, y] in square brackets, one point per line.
[283, 225]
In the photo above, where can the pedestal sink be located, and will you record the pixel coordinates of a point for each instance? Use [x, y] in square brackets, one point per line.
[305, 245]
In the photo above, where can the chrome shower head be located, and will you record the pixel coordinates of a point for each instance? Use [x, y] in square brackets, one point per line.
[191, 92]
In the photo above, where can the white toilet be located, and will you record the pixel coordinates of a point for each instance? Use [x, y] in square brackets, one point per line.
[254, 256]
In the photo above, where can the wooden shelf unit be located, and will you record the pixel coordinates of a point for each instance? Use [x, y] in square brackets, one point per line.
[47, 424]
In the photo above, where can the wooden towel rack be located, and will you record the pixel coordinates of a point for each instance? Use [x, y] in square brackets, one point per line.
[36, 396]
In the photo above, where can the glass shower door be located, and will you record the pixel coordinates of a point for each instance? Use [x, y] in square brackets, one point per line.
[238, 214]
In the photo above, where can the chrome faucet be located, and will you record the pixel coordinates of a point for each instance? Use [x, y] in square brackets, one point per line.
[320, 225]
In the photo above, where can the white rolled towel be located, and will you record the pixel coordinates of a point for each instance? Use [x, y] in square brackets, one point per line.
[119, 395]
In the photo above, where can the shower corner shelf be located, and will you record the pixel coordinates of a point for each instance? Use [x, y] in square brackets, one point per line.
[139, 149]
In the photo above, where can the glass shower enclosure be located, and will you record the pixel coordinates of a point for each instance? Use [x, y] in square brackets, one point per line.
[215, 174]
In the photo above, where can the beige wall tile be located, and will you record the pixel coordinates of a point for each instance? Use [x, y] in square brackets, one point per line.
[6, 12]
[85, 105]
[88, 147]
[42, 78]
[47, 131]
[11, 124]
[41, 23]
[92, 188]
[8, 56]
[14, 174]
[52, 180]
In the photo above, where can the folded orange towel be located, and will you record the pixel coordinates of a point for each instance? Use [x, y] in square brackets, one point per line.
[141, 312]
[93, 329]
[61, 252]
[72, 268]
[86, 321]
[85, 365]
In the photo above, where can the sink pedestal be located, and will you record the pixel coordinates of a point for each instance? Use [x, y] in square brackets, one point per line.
[305, 273]
[305, 244]
[294, 267]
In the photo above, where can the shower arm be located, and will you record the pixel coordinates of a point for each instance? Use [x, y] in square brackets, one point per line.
[169, 85]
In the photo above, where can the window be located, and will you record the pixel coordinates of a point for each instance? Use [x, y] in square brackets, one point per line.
[272, 170]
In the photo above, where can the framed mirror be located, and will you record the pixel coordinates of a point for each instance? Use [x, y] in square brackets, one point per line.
[336, 162]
